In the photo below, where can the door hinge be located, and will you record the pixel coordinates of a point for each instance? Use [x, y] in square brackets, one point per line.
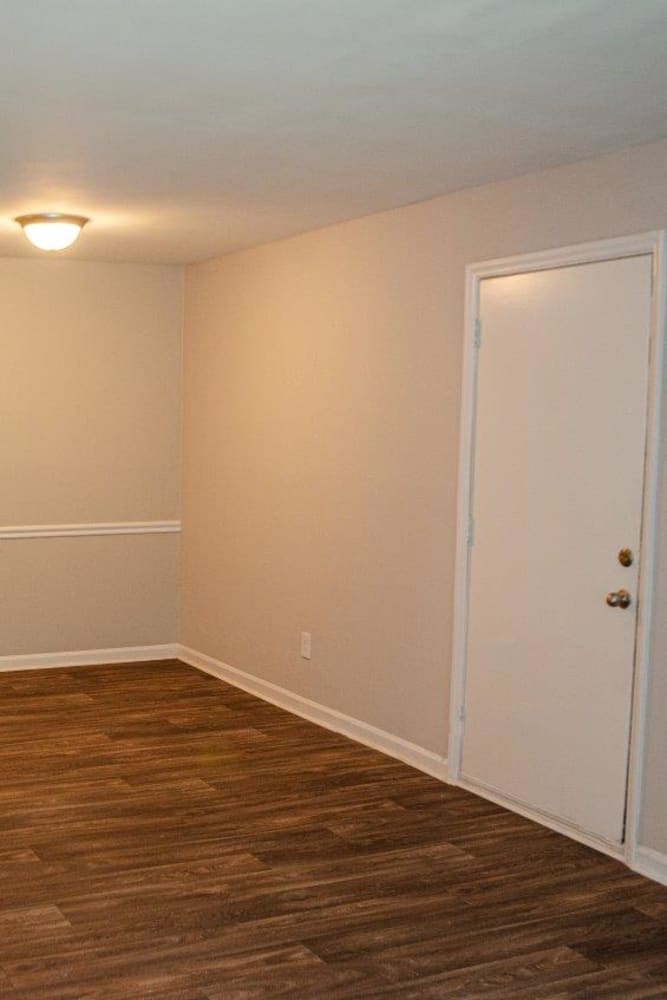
[462, 713]
[471, 531]
[478, 333]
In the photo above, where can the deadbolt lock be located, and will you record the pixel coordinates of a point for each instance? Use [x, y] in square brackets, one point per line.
[626, 557]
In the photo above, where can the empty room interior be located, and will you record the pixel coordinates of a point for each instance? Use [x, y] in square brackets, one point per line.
[333, 530]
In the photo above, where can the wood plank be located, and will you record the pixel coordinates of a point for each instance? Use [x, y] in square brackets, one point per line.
[166, 835]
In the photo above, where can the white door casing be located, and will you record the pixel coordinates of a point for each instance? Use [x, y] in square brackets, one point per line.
[553, 467]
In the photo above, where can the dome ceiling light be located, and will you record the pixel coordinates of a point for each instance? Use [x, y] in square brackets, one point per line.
[52, 230]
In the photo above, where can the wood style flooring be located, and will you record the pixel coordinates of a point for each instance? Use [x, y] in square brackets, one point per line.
[165, 835]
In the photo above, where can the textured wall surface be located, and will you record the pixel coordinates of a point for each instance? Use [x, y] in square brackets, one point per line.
[322, 393]
[90, 428]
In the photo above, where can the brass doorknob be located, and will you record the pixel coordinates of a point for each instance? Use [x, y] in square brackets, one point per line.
[619, 599]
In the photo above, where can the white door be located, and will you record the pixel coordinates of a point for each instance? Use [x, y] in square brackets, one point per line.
[557, 493]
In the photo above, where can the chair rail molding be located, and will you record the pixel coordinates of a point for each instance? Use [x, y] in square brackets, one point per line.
[15, 531]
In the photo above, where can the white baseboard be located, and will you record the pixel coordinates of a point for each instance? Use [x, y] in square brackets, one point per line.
[651, 863]
[88, 657]
[329, 718]
[544, 819]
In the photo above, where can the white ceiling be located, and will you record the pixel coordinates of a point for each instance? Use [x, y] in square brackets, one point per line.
[189, 128]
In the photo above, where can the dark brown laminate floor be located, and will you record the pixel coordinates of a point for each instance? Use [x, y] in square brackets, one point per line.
[165, 835]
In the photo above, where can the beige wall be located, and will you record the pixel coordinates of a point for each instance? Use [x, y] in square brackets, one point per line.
[322, 379]
[90, 389]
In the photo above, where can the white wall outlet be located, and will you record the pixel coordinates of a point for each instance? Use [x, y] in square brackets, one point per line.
[305, 645]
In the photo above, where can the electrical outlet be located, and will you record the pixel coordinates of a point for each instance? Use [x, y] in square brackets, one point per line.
[306, 645]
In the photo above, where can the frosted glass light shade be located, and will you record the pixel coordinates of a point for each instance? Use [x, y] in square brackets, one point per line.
[52, 230]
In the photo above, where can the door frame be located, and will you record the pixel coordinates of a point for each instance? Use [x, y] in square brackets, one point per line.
[653, 243]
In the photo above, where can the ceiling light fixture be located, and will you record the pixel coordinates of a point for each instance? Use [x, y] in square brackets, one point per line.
[52, 230]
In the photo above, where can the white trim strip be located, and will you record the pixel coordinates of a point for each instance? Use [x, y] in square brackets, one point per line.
[578, 253]
[394, 746]
[646, 585]
[544, 819]
[103, 528]
[652, 864]
[88, 657]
